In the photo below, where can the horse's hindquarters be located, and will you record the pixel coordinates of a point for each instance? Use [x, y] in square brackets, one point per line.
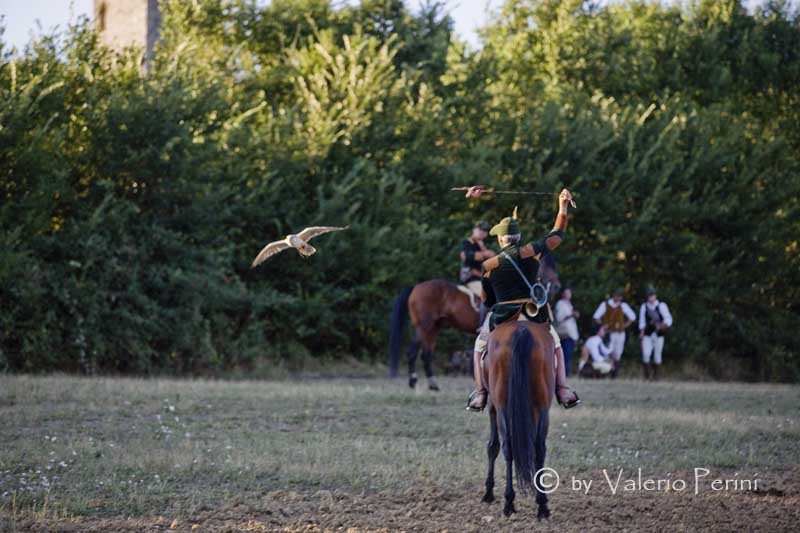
[497, 365]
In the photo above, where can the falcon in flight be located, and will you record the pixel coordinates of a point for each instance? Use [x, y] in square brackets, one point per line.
[297, 241]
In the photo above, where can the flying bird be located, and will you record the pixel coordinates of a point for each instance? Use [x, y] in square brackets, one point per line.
[298, 241]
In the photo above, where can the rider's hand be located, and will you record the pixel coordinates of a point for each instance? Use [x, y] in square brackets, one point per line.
[475, 191]
[564, 199]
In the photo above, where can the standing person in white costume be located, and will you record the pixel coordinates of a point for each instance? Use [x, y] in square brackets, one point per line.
[616, 315]
[654, 320]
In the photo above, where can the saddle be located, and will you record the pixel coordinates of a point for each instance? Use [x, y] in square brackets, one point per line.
[474, 299]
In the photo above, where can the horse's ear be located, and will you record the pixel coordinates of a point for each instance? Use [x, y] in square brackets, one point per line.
[514, 216]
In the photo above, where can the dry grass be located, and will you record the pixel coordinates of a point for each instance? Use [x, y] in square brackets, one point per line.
[73, 447]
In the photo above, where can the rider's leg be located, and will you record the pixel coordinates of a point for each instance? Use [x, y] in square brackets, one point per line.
[477, 370]
[564, 394]
[482, 312]
[477, 400]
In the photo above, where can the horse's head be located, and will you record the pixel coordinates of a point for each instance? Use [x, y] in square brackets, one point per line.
[548, 272]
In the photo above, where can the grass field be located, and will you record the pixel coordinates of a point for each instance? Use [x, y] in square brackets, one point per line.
[315, 455]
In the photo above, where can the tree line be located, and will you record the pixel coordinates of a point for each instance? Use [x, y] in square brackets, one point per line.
[134, 200]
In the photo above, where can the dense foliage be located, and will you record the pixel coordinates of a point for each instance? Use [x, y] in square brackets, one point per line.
[133, 200]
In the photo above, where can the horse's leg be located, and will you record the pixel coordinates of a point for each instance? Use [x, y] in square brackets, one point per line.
[540, 450]
[428, 345]
[413, 350]
[492, 450]
[427, 360]
[508, 508]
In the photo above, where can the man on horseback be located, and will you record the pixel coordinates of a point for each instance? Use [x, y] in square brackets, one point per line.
[509, 283]
[473, 254]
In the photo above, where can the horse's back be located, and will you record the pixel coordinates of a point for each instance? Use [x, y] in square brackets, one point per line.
[428, 296]
[432, 290]
[435, 300]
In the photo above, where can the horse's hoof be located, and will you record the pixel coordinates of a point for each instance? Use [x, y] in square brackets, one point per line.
[543, 514]
[487, 498]
[412, 381]
[508, 510]
[433, 386]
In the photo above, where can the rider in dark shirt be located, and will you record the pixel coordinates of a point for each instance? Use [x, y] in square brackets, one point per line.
[473, 254]
[509, 287]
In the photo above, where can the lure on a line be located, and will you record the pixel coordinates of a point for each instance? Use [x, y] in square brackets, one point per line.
[475, 191]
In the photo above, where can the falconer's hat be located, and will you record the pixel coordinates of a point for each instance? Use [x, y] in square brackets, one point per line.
[507, 226]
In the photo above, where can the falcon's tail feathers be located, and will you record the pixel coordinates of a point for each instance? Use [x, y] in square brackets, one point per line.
[307, 250]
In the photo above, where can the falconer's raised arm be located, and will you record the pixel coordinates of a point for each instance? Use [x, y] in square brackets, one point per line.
[552, 240]
[557, 234]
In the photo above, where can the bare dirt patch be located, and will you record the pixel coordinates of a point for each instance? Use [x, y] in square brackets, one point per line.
[774, 507]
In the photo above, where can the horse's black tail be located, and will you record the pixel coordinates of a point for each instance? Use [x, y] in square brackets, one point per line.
[521, 429]
[399, 317]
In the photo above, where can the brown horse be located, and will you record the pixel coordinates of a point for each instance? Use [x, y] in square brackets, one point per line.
[519, 372]
[434, 304]
[431, 305]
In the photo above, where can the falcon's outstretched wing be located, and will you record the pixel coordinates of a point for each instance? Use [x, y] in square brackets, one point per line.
[268, 251]
[309, 233]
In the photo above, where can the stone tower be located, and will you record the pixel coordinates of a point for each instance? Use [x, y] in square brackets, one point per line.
[122, 23]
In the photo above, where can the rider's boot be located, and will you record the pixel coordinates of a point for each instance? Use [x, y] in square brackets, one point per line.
[477, 400]
[564, 394]
[655, 371]
[646, 371]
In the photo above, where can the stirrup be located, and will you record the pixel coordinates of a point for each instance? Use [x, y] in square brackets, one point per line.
[472, 396]
[569, 405]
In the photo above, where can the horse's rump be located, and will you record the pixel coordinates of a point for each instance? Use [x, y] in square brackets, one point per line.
[499, 357]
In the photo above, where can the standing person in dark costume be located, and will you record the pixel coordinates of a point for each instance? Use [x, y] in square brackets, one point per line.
[654, 320]
[510, 277]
